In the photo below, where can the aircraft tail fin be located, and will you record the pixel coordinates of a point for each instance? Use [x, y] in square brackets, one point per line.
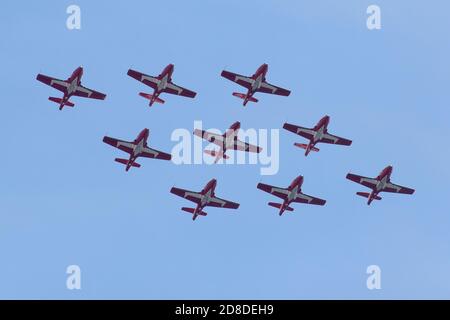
[61, 102]
[151, 98]
[244, 97]
[279, 205]
[125, 162]
[367, 195]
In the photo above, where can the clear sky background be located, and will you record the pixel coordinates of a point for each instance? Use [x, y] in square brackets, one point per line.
[64, 201]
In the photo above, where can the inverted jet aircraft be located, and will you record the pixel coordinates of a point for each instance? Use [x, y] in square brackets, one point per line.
[70, 87]
[315, 135]
[293, 193]
[255, 83]
[382, 183]
[203, 199]
[161, 83]
[136, 148]
[228, 140]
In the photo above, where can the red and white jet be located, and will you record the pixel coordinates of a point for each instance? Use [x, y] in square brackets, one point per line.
[160, 84]
[315, 135]
[255, 83]
[293, 193]
[203, 199]
[70, 87]
[382, 183]
[228, 140]
[136, 148]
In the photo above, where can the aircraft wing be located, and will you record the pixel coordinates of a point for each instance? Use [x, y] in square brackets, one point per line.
[304, 198]
[174, 89]
[211, 137]
[189, 195]
[221, 203]
[154, 154]
[390, 187]
[239, 79]
[144, 78]
[278, 192]
[270, 88]
[58, 84]
[365, 181]
[301, 131]
[88, 93]
[244, 146]
[329, 138]
[119, 144]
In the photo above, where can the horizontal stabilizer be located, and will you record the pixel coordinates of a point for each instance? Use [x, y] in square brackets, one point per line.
[214, 153]
[279, 205]
[151, 97]
[244, 96]
[192, 210]
[305, 146]
[125, 162]
[61, 101]
[367, 195]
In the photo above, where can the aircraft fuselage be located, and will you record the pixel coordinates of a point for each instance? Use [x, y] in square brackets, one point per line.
[138, 146]
[258, 78]
[74, 81]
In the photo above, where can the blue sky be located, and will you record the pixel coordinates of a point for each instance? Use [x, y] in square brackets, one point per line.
[64, 201]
